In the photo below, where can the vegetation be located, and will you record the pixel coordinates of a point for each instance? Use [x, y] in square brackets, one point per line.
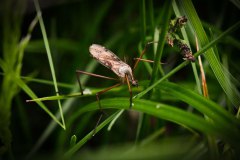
[183, 108]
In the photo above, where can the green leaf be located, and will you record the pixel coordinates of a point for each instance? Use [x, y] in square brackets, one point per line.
[196, 27]
[219, 126]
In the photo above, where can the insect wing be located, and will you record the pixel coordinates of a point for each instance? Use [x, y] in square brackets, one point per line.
[104, 56]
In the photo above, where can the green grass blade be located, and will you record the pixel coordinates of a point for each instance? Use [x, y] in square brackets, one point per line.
[161, 41]
[182, 117]
[79, 144]
[143, 21]
[90, 67]
[115, 119]
[183, 64]
[45, 39]
[33, 96]
[11, 65]
[185, 37]
[196, 27]
[66, 107]
[222, 119]
[202, 104]
[159, 110]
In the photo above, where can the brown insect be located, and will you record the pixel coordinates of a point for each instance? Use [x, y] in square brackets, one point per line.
[120, 68]
[111, 61]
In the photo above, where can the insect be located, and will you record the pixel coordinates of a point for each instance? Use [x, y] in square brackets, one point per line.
[111, 61]
[108, 59]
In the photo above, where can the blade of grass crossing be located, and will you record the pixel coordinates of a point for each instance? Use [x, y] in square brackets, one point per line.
[185, 36]
[183, 64]
[45, 39]
[33, 96]
[217, 68]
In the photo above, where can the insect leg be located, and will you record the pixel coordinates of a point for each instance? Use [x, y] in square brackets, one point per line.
[147, 60]
[99, 104]
[103, 91]
[95, 128]
[142, 53]
[79, 72]
[130, 91]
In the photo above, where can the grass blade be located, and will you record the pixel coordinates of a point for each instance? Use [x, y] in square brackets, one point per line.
[183, 64]
[49, 59]
[196, 27]
[79, 144]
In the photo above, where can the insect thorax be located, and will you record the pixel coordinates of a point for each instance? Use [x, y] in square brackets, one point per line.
[124, 70]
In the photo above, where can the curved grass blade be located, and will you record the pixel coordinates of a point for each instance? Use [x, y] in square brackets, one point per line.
[204, 105]
[183, 64]
[197, 28]
[178, 116]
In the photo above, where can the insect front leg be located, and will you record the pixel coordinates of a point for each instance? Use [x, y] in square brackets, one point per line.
[130, 91]
[103, 91]
[79, 72]
[99, 104]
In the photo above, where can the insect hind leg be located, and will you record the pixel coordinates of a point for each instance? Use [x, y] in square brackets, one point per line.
[79, 72]
[103, 91]
[99, 104]
[130, 91]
